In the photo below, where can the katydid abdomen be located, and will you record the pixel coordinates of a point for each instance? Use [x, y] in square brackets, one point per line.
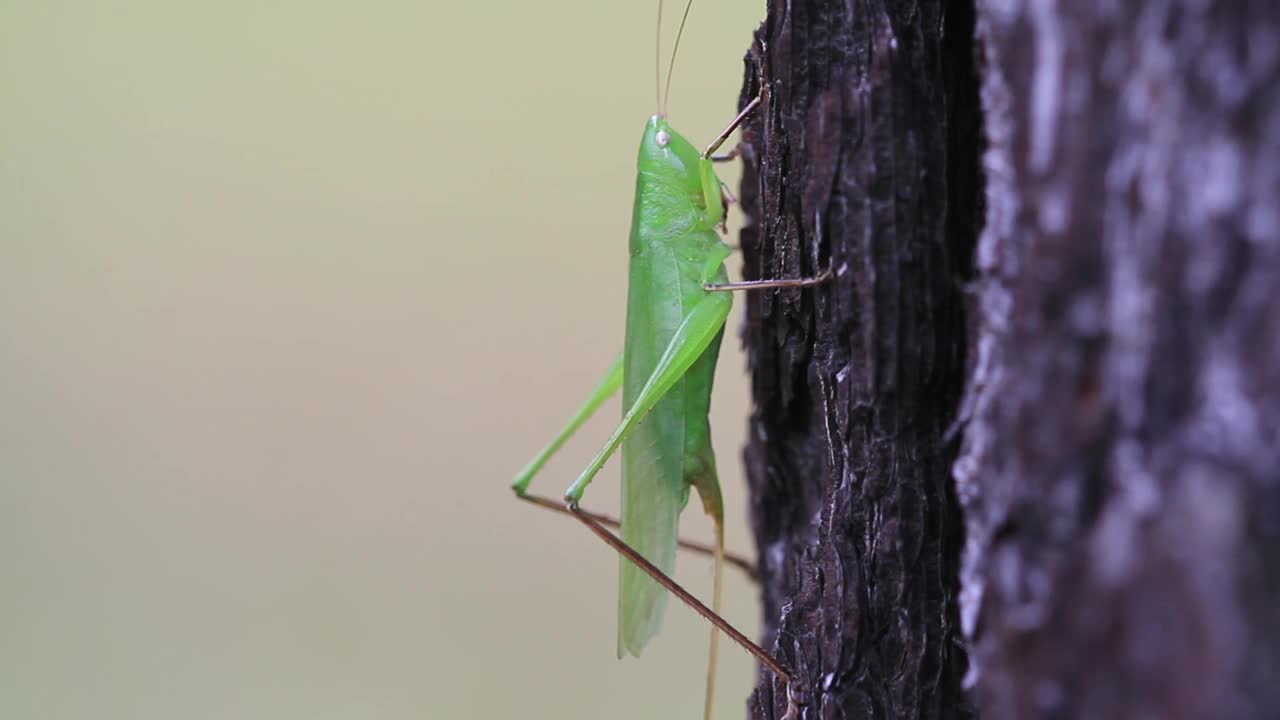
[670, 450]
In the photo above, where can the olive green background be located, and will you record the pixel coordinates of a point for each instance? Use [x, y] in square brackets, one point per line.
[288, 291]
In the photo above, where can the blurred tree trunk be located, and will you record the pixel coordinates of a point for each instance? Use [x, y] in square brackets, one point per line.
[1115, 337]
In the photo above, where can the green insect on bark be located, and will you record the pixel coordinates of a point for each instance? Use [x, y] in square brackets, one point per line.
[676, 311]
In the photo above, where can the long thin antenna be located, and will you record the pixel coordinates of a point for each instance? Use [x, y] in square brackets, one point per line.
[675, 49]
[657, 59]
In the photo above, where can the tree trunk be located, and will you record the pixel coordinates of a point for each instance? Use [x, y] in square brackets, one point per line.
[863, 160]
[1115, 338]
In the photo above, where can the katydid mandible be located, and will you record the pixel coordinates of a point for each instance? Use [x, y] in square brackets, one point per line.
[676, 309]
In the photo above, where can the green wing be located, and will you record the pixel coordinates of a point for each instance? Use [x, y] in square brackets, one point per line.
[650, 500]
[653, 494]
[655, 454]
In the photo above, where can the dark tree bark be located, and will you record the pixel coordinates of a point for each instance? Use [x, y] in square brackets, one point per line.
[1121, 471]
[863, 159]
[1115, 337]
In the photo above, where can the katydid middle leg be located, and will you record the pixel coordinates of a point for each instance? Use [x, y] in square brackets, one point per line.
[818, 279]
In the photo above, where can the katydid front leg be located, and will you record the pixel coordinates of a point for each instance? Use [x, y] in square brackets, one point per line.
[733, 125]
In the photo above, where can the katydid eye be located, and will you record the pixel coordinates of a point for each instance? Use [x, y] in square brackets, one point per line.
[663, 138]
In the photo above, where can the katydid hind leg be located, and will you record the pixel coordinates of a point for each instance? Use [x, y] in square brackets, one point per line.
[700, 326]
[603, 391]
[698, 547]
[685, 596]
[641, 603]
[594, 523]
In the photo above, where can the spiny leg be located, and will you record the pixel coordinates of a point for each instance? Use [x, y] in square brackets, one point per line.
[696, 546]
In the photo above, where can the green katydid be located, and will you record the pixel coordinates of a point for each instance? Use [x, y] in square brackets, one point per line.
[676, 309]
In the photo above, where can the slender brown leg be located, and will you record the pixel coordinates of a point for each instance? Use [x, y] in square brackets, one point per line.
[685, 596]
[729, 198]
[726, 157]
[822, 277]
[626, 551]
[701, 548]
[724, 134]
[596, 522]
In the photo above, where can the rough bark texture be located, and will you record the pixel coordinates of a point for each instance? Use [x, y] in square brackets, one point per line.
[1115, 337]
[1121, 466]
[853, 163]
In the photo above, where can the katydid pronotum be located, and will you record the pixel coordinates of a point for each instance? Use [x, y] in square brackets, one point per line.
[677, 303]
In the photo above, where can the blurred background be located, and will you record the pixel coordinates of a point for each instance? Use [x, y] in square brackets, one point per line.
[288, 291]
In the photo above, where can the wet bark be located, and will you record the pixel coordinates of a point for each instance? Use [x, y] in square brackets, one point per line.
[1045, 468]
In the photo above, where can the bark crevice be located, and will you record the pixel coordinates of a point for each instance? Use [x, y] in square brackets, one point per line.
[1027, 441]
[854, 163]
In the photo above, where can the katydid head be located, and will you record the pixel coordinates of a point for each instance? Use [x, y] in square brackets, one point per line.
[673, 174]
[665, 152]
[675, 178]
